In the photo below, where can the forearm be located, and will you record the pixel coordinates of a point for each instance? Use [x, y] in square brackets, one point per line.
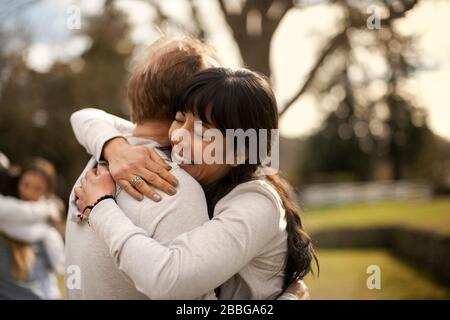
[93, 128]
[28, 233]
[16, 210]
[54, 248]
[177, 270]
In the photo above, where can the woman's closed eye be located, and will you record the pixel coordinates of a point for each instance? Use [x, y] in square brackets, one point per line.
[180, 117]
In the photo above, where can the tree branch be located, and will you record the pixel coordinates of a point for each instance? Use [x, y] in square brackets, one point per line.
[196, 16]
[357, 21]
[332, 45]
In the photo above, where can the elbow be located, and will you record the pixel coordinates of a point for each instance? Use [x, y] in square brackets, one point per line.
[169, 282]
[78, 116]
[75, 118]
[166, 288]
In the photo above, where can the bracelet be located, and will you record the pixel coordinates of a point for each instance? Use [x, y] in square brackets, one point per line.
[87, 207]
[108, 196]
[83, 216]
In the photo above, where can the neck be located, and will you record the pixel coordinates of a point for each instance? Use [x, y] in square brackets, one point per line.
[156, 130]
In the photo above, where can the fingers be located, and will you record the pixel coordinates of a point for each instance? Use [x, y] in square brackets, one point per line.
[88, 176]
[79, 194]
[158, 159]
[156, 181]
[142, 189]
[80, 205]
[125, 185]
[83, 182]
[148, 191]
[158, 166]
[91, 173]
[78, 191]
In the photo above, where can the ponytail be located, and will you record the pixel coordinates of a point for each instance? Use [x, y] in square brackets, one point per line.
[300, 251]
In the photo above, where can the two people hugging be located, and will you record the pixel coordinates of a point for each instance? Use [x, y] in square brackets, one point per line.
[148, 220]
[31, 244]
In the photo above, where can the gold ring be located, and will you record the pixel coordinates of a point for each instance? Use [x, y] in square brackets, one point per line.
[135, 180]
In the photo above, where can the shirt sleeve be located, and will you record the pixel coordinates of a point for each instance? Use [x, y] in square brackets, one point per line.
[54, 248]
[195, 262]
[94, 127]
[27, 232]
[13, 210]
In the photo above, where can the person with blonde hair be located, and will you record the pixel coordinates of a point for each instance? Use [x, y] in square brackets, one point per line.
[31, 248]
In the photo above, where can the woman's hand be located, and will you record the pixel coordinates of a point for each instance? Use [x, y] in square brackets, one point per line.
[127, 161]
[298, 289]
[94, 185]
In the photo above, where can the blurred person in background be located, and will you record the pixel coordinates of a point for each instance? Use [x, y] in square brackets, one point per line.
[32, 249]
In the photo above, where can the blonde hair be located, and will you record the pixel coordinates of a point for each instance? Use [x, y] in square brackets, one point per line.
[22, 258]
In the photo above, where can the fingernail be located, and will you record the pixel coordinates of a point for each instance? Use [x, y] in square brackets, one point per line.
[172, 191]
[175, 182]
[141, 197]
[157, 197]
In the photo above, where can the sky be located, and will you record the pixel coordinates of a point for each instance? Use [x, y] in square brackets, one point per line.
[294, 49]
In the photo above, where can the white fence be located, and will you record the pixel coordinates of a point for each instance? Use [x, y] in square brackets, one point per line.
[346, 193]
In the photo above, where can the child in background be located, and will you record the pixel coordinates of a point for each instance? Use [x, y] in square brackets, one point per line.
[35, 264]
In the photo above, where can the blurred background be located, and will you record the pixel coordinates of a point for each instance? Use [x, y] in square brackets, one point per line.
[363, 92]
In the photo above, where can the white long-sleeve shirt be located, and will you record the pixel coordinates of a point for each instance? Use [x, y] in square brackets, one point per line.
[242, 249]
[86, 252]
[24, 220]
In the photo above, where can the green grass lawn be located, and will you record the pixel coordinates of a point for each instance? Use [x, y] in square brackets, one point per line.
[343, 272]
[426, 214]
[343, 276]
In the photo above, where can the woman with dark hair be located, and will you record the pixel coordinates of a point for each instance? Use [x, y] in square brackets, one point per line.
[254, 246]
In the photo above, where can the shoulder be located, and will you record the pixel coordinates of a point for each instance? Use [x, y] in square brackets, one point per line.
[257, 198]
[188, 186]
[254, 190]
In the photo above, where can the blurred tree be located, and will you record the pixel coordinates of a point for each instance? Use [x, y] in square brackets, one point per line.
[253, 24]
[35, 107]
[103, 68]
[374, 120]
[373, 131]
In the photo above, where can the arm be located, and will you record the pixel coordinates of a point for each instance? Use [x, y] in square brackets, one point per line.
[27, 232]
[296, 291]
[195, 262]
[13, 210]
[54, 248]
[102, 135]
[94, 127]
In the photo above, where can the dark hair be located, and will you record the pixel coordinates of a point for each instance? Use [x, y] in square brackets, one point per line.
[169, 63]
[242, 99]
